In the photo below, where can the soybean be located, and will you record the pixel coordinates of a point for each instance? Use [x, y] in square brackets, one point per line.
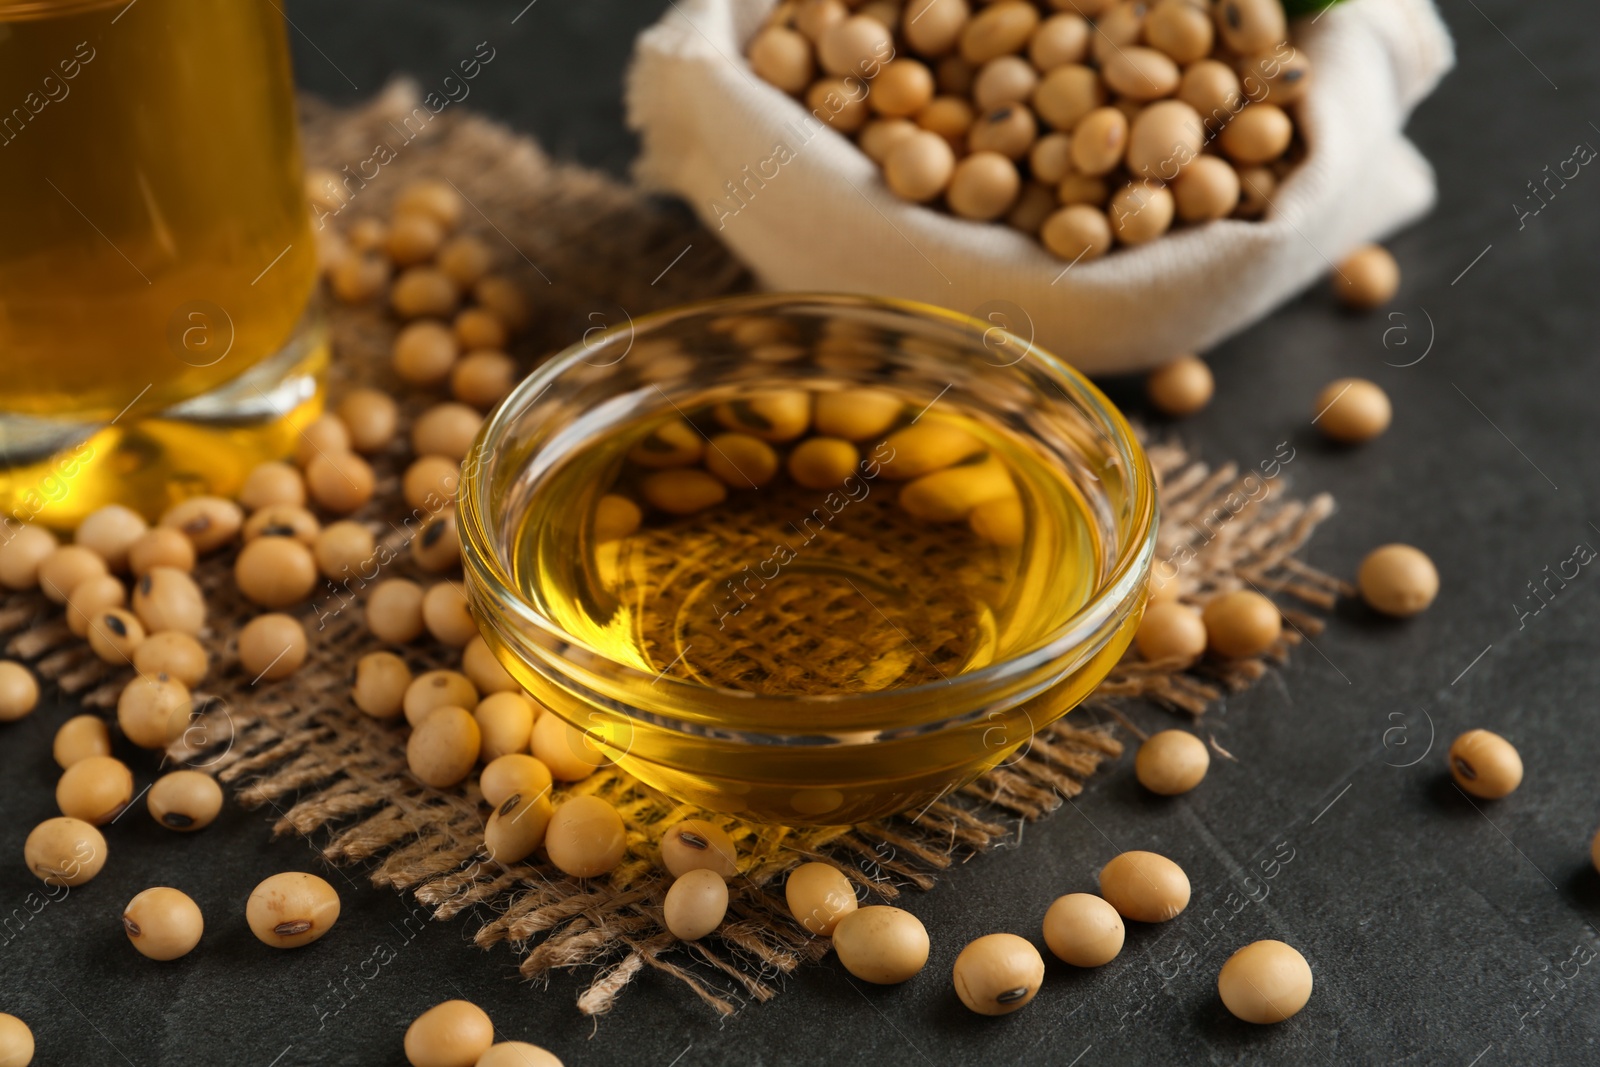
[566, 750]
[438, 546]
[1206, 189]
[1367, 278]
[64, 851]
[1077, 232]
[819, 895]
[1485, 764]
[208, 522]
[153, 710]
[272, 647]
[478, 328]
[1171, 631]
[932, 27]
[1141, 211]
[340, 482]
[16, 1042]
[881, 944]
[1067, 94]
[168, 599]
[95, 789]
[340, 549]
[1006, 80]
[783, 57]
[1060, 39]
[291, 909]
[511, 774]
[682, 492]
[177, 655]
[444, 746]
[1241, 623]
[1352, 410]
[1180, 29]
[275, 572]
[483, 379]
[431, 482]
[695, 844]
[109, 532]
[163, 923]
[484, 671]
[424, 352]
[445, 430]
[926, 447]
[382, 681]
[79, 738]
[999, 29]
[902, 88]
[1398, 580]
[822, 462]
[67, 567]
[738, 460]
[1259, 133]
[185, 800]
[272, 483]
[452, 1034]
[161, 547]
[998, 974]
[420, 291]
[854, 46]
[502, 296]
[984, 185]
[774, 416]
[505, 722]
[1083, 930]
[1171, 762]
[21, 554]
[586, 837]
[1008, 130]
[91, 597]
[19, 692]
[1265, 982]
[394, 611]
[282, 520]
[919, 167]
[1144, 886]
[1099, 141]
[695, 904]
[517, 1054]
[432, 197]
[447, 615]
[1139, 73]
[1250, 26]
[673, 444]
[517, 826]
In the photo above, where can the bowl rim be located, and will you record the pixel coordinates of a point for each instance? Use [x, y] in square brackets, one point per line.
[481, 558]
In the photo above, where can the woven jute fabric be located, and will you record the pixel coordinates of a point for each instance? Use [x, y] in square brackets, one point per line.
[588, 249]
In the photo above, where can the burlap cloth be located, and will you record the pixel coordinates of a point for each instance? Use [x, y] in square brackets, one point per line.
[584, 245]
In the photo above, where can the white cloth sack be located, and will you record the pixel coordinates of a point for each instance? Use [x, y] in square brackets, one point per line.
[812, 212]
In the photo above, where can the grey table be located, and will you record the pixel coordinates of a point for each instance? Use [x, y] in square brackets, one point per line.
[1440, 931]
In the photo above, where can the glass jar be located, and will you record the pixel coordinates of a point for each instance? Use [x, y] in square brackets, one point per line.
[157, 263]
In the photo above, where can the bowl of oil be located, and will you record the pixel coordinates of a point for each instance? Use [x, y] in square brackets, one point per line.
[810, 559]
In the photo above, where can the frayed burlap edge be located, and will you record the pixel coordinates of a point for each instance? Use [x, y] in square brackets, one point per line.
[584, 246]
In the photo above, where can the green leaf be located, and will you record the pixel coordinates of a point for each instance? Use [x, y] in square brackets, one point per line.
[1294, 8]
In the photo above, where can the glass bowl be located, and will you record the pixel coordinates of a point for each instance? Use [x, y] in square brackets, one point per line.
[830, 758]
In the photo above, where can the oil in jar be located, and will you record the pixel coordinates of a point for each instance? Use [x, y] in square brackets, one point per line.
[808, 541]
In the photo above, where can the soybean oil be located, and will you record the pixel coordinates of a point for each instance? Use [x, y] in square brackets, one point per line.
[805, 542]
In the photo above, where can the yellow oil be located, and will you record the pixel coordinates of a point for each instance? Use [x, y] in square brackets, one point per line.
[787, 590]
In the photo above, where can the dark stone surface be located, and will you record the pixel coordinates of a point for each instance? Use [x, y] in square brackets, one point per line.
[1439, 930]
